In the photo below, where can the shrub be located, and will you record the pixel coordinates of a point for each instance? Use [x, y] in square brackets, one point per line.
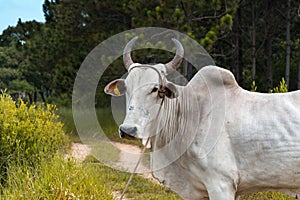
[282, 88]
[253, 87]
[27, 133]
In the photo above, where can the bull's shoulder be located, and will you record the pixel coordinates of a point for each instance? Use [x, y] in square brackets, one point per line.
[215, 76]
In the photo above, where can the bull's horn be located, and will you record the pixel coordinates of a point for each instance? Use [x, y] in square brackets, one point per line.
[175, 63]
[127, 52]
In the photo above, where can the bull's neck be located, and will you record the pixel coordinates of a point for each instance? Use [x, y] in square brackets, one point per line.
[176, 118]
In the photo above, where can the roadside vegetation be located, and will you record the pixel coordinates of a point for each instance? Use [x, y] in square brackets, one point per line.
[66, 179]
[33, 164]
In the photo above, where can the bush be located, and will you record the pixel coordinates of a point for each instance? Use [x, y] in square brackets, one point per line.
[27, 133]
[282, 88]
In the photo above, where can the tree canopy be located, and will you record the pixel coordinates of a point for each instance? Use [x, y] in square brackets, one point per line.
[257, 40]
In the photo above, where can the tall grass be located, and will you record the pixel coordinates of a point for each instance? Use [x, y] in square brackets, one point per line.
[66, 179]
[56, 179]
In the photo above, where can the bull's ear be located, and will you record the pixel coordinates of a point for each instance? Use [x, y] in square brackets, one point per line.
[116, 88]
[171, 90]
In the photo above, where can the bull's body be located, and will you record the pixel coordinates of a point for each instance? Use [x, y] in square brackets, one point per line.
[258, 147]
[211, 138]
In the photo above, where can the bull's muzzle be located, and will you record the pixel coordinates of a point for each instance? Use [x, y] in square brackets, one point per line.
[128, 131]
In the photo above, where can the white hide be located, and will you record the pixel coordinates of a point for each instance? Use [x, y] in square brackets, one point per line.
[236, 141]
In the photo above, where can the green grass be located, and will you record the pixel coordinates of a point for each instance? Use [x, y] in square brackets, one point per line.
[59, 178]
[56, 179]
[104, 151]
[106, 121]
[66, 117]
[66, 179]
[266, 196]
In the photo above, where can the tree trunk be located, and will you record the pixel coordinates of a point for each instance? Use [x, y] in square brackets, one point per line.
[299, 71]
[253, 76]
[35, 96]
[268, 47]
[30, 98]
[238, 48]
[269, 62]
[288, 44]
[187, 70]
[42, 96]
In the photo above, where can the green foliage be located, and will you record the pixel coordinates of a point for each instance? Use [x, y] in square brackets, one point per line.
[282, 88]
[207, 43]
[253, 87]
[209, 39]
[58, 178]
[17, 85]
[226, 21]
[217, 4]
[27, 133]
[178, 15]
[212, 35]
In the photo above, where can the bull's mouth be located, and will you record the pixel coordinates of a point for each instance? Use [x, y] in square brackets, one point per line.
[128, 137]
[130, 132]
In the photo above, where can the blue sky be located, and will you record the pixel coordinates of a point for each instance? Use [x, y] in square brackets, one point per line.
[27, 10]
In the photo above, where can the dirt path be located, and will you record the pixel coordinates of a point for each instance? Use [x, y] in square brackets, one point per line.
[129, 155]
[79, 151]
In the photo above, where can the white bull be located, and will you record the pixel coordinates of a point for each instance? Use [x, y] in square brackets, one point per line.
[222, 141]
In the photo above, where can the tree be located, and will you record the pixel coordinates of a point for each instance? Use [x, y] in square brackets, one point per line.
[288, 43]
[263, 36]
[248, 37]
[238, 44]
[11, 77]
[253, 35]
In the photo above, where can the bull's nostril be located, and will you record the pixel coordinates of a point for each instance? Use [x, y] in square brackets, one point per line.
[131, 130]
[127, 130]
[121, 133]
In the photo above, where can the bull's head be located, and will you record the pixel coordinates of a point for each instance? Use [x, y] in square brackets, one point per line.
[145, 88]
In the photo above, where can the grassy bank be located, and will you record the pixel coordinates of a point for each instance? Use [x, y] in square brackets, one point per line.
[59, 178]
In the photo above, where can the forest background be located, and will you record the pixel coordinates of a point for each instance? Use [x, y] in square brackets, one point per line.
[259, 41]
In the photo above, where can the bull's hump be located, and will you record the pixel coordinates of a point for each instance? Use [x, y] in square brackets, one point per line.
[217, 76]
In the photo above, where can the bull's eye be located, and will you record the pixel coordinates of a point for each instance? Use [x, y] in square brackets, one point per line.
[154, 90]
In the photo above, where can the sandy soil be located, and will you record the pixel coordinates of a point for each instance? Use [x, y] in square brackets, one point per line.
[79, 151]
[129, 155]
